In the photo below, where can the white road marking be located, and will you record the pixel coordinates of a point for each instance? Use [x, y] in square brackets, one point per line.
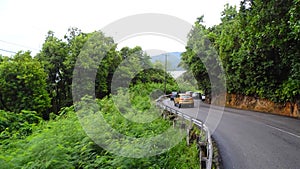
[292, 134]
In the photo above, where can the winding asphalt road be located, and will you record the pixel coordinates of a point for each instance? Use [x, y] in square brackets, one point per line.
[252, 140]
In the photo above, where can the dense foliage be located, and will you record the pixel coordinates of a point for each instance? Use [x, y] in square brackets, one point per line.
[62, 143]
[16, 126]
[258, 48]
[39, 127]
[23, 84]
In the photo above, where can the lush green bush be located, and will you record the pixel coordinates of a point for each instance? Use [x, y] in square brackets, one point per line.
[62, 143]
[258, 46]
[23, 85]
[15, 126]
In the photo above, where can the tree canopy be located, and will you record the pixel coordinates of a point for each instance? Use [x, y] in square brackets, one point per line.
[258, 47]
[23, 84]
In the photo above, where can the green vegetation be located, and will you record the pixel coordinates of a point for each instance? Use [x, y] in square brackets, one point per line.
[39, 127]
[23, 84]
[258, 48]
[187, 82]
[62, 143]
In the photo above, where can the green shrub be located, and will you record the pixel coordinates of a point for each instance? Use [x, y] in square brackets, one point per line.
[62, 143]
[19, 125]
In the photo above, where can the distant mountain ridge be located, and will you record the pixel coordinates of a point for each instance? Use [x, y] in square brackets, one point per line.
[173, 60]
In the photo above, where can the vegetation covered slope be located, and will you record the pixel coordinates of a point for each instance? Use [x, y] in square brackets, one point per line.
[39, 127]
[62, 143]
[258, 48]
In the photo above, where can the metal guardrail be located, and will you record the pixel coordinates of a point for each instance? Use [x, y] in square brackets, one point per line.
[200, 124]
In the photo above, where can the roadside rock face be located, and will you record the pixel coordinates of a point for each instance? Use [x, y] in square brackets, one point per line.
[262, 105]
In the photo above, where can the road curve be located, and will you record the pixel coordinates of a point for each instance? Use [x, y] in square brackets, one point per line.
[253, 140]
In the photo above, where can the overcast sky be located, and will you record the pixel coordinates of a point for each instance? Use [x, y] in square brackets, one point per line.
[25, 23]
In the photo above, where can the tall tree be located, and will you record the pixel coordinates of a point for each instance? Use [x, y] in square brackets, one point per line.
[267, 46]
[54, 52]
[94, 65]
[106, 70]
[201, 58]
[23, 85]
[134, 60]
[225, 37]
[258, 46]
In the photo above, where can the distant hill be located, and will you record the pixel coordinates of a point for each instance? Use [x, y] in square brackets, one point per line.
[173, 60]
